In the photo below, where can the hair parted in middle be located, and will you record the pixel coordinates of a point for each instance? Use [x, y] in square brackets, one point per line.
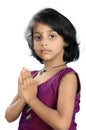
[61, 25]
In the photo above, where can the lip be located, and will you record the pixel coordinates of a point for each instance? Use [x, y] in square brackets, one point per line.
[44, 51]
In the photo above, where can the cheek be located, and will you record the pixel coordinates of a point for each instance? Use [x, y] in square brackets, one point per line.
[59, 48]
[61, 45]
[35, 47]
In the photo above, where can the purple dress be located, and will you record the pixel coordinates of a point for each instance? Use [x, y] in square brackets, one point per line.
[48, 94]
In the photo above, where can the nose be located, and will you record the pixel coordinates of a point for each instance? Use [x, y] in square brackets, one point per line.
[44, 42]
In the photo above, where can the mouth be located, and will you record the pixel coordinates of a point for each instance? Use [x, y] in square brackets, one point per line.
[44, 51]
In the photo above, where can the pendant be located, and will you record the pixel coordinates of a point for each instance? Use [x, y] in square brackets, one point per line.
[42, 71]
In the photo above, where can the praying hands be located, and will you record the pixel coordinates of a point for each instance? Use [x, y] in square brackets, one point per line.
[27, 86]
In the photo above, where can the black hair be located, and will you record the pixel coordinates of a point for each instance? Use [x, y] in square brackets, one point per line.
[62, 26]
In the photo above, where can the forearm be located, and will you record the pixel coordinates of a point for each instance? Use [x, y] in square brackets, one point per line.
[14, 110]
[52, 117]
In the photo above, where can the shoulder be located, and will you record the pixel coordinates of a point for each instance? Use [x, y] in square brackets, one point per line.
[70, 77]
[68, 72]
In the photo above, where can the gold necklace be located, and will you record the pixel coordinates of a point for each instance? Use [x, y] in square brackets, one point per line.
[45, 69]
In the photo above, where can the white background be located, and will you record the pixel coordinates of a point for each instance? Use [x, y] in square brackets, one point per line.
[14, 51]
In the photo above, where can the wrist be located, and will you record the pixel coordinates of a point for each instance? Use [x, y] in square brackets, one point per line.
[31, 100]
[22, 101]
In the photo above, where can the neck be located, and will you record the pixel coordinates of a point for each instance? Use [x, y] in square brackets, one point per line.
[48, 64]
[47, 68]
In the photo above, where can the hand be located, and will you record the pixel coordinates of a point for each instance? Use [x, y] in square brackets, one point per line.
[27, 85]
[19, 90]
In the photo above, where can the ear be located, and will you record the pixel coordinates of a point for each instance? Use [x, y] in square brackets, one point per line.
[66, 44]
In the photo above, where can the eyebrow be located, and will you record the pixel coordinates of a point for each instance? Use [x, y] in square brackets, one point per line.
[43, 32]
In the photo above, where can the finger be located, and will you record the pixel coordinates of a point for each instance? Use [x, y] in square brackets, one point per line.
[29, 73]
[23, 74]
[25, 83]
[27, 78]
[20, 79]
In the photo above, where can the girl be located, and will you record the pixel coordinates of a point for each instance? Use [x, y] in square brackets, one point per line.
[48, 99]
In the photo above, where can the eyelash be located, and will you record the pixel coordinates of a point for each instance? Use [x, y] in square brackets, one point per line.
[52, 35]
[39, 38]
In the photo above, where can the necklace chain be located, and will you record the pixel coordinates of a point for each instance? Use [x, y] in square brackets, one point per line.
[45, 69]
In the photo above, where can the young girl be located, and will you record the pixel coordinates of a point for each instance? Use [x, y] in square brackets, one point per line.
[48, 99]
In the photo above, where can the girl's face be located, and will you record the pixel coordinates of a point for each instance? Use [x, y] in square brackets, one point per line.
[48, 44]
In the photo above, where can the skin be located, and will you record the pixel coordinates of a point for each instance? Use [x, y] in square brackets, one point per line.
[48, 44]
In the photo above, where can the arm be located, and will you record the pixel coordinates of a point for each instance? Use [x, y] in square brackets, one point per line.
[14, 109]
[59, 119]
[17, 105]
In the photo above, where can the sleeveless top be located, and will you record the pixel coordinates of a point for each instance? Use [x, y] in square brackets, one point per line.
[48, 94]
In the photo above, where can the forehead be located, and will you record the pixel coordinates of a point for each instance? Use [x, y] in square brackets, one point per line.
[40, 27]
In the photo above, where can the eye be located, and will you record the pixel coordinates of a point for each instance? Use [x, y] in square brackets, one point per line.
[37, 37]
[52, 36]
